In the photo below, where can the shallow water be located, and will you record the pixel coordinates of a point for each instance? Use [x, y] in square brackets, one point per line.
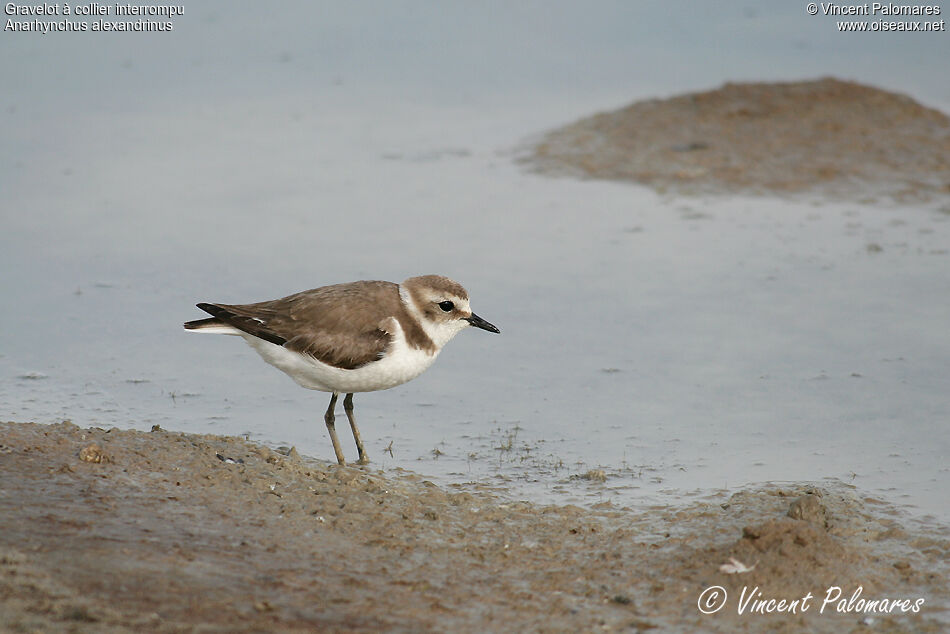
[678, 345]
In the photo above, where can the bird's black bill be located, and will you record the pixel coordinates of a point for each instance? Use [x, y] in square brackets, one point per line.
[478, 322]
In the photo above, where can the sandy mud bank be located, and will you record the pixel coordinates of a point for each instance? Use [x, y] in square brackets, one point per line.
[126, 531]
[832, 137]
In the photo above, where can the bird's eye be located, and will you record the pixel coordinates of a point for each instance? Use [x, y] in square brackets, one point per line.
[446, 305]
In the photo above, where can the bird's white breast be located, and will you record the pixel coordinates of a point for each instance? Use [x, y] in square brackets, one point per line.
[399, 364]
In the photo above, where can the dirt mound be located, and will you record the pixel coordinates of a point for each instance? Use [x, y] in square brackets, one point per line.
[838, 138]
[125, 531]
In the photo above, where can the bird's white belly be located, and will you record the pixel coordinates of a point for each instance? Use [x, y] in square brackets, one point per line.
[401, 363]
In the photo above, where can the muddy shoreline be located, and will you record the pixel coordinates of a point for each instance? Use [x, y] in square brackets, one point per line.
[127, 531]
[826, 137]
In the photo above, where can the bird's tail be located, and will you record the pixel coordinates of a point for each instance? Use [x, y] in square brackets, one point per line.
[211, 325]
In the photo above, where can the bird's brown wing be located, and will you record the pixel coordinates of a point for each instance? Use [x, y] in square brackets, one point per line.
[340, 325]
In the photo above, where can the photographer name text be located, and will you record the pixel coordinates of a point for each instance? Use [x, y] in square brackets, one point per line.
[834, 599]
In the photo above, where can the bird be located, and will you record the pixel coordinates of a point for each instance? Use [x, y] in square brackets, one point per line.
[353, 337]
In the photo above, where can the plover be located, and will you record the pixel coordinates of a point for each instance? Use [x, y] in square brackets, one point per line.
[347, 338]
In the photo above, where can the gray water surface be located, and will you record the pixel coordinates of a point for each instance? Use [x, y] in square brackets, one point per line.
[678, 345]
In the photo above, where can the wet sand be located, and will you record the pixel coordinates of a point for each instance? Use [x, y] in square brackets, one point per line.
[836, 138]
[127, 531]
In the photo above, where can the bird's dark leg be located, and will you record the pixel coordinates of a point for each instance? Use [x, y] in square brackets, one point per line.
[348, 408]
[330, 419]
